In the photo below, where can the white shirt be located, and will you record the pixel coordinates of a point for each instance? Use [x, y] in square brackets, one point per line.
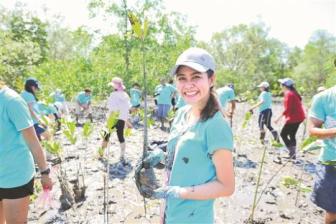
[119, 101]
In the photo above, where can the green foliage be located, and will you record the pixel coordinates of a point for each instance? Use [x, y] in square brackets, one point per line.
[87, 129]
[247, 118]
[277, 144]
[291, 182]
[53, 147]
[308, 141]
[69, 131]
[112, 121]
[127, 132]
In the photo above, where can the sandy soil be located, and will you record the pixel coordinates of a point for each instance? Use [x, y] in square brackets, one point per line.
[125, 205]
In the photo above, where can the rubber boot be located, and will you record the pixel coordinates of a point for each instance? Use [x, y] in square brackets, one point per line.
[275, 136]
[292, 152]
[262, 137]
[122, 153]
[90, 117]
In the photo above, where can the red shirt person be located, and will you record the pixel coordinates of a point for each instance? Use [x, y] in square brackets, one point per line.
[294, 115]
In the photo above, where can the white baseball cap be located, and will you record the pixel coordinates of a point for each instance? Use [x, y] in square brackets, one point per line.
[195, 58]
[264, 85]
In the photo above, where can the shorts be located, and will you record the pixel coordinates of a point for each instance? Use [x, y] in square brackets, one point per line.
[324, 192]
[136, 106]
[120, 125]
[17, 192]
[39, 130]
[163, 110]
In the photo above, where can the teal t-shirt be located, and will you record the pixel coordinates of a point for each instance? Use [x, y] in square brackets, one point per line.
[323, 108]
[135, 96]
[225, 95]
[180, 102]
[82, 98]
[165, 93]
[266, 97]
[46, 109]
[16, 160]
[30, 99]
[58, 97]
[193, 165]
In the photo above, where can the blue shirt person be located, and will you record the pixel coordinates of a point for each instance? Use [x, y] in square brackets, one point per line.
[199, 163]
[165, 93]
[136, 95]
[31, 88]
[18, 146]
[226, 95]
[322, 124]
[83, 102]
[265, 112]
[57, 96]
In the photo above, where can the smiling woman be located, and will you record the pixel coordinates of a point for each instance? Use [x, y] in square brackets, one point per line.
[200, 166]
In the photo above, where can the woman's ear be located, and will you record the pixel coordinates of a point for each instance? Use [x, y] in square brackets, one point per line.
[212, 80]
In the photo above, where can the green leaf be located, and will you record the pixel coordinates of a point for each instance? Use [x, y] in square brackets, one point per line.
[53, 147]
[136, 25]
[87, 129]
[145, 28]
[277, 144]
[247, 117]
[289, 181]
[127, 132]
[112, 120]
[308, 141]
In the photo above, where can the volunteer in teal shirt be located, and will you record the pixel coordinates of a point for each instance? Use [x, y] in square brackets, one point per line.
[29, 95]
[199, 163]
[265, 112]
[136, 95]
[227, 96]
[18, 142]
[322, 124]
[83, 104]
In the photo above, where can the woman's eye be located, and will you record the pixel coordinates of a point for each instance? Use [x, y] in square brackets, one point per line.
[181, 79]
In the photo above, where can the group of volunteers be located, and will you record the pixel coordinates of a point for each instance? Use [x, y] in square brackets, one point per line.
[199, 164]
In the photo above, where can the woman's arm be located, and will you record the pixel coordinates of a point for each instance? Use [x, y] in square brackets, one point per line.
[35, 147]
[314, 128]
[31, 110]
[223, 186]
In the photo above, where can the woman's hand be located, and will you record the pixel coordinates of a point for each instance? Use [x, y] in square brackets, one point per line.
[46, 182]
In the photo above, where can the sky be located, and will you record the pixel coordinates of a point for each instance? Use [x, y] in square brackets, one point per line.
[290, 21]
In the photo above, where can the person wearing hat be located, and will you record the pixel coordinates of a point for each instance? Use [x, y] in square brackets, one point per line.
[83, 104]
[226, 95]
[119, 102]
[265, 112]
[293, 113]
[199, 163]
[19, 148]
[29, 95]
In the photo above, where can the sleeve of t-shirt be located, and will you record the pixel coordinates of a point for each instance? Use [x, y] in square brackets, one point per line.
[316, 109]
[218, 134]
[19, 114]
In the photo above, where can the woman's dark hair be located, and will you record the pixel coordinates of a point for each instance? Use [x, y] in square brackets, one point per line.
[212, 106]
[266, 89]
[292, 88]
[29, 88]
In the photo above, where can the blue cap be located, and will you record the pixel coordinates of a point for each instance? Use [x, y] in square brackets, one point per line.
[32, 82]
[286, 82]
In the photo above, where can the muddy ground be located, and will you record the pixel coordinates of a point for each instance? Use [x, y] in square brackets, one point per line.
[278, 204]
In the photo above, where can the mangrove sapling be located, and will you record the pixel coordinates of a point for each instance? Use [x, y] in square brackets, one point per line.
[254, 204]
[140, 31]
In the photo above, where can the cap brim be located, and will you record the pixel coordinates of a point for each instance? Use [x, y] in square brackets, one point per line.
[193, 65]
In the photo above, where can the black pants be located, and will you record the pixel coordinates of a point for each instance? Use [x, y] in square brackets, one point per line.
[120, 131]
[288, 133]
[265, 119]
